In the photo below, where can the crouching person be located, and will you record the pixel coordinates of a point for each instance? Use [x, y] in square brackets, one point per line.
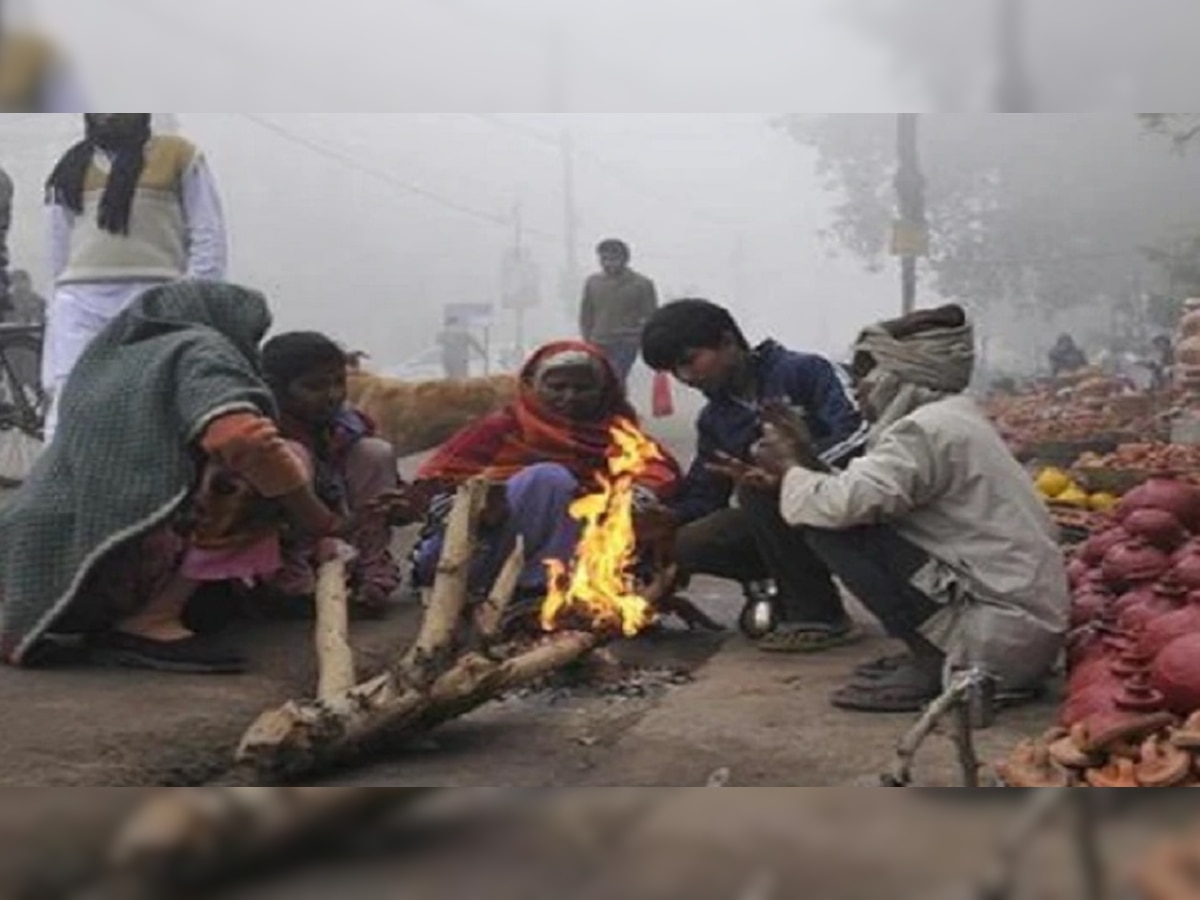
[937, 530]
[542, 452]
[352, 470]
[169, 474]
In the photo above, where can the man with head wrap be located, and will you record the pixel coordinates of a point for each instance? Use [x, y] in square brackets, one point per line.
[130, 210]
[937, 529]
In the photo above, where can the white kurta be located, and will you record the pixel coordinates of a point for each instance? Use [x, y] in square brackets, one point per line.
[943, 478]
[80, 311]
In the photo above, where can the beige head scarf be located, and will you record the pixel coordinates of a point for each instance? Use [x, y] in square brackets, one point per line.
[916, 369]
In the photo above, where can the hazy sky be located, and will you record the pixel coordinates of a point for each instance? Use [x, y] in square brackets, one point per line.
[365, 224]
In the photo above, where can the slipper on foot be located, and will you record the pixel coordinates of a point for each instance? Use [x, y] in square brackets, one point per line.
[191, 656]
[810, 638]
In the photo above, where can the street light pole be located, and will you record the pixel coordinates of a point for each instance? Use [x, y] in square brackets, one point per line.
[910, 241]
[1014, 93]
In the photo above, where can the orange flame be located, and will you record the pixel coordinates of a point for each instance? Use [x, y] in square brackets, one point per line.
[598, 586]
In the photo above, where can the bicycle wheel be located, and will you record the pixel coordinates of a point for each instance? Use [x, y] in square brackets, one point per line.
[23, 406]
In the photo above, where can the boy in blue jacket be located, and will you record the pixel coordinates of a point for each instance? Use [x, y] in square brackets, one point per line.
[702, 345]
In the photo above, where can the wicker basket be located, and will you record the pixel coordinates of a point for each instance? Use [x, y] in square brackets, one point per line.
[1117, 482]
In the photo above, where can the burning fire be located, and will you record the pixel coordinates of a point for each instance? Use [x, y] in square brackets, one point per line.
[598, 587]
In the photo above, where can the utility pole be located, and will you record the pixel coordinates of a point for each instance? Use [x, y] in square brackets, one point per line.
[521, 303]
[910, 239]
[1014, 94]
[557, 94]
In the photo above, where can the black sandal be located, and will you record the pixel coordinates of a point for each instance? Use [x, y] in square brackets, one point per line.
[883, 667]
[191, 656]
[908, 689]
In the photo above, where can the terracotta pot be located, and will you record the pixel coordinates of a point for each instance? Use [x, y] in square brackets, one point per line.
[1187, 570]
[1134, 563]
[1188, 350]
[1077, 573]
[1177, 675]
[1097, 547]
[1135, 597]
[1087, 607]
[1137, 712]
[1165, 630]
[1166, 493]
[1168, 596]
[1158, 527]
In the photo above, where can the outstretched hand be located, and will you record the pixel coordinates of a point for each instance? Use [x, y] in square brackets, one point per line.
[742, 473]
[405, 505]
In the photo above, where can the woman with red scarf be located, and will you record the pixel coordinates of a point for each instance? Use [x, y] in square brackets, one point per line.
[547, 449]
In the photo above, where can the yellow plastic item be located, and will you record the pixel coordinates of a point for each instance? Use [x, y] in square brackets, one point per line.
[1052, 483]
[1074, 496]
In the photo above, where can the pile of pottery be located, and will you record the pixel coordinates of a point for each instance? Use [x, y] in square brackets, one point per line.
[1130, 719]
[1187, 351]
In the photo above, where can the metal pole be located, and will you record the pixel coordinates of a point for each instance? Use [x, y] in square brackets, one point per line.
[558, 91]
[1014, 93]
[521, 302]
[910, 189]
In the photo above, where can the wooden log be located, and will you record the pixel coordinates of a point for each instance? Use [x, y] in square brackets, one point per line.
[433, 649]
[190, 837]
[491, 618]
[335, 658]
[301, 738]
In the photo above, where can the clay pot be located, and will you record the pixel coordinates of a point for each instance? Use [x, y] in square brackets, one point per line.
[1158, 528]
[1097, 547]
[1134, 563]
[1137, 712]
[1177, 675]
[1187, 570]
[1031, 766]
[1166, 493]
[1168, 596]
[1087, 607]
[1077, 573]
[1163, 765]
[1165, 630]
[1187, 353]
[1120, 773]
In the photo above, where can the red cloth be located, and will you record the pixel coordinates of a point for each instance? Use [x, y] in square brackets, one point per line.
[526, 434]
[663, 399]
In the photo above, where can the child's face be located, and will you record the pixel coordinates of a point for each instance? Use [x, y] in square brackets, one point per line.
[318, 396]
[711, 369]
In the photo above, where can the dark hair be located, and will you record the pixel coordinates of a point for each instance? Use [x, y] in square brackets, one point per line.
[290, 356]
[686, 325]
[614, 247]
[65, 187]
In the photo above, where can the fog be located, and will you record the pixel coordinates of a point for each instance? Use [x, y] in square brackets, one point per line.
[367, 224]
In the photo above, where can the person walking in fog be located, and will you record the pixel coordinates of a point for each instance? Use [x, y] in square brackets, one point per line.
[617, 304]
[458, 347]
[129, 211]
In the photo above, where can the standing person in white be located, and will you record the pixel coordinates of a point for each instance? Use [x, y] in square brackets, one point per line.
[129, 210]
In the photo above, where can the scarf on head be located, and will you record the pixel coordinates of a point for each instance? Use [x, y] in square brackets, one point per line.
[527, 433]
[914, 367]
[65, 187]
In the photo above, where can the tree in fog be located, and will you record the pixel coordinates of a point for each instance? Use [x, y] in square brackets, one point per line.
[1038, 213]
[1081, 54]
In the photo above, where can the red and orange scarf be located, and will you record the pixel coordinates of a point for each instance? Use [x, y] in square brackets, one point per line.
[527, 434]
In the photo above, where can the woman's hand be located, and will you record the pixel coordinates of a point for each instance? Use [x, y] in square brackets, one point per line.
[406, 505]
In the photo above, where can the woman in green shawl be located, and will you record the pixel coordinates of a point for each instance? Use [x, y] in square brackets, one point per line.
[168, 473]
